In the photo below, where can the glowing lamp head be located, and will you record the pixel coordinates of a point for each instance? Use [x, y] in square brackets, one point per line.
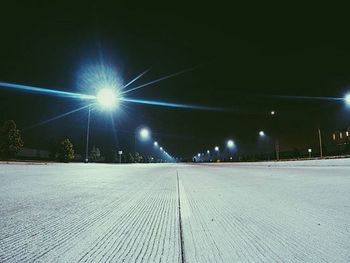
[144, 134]
[272, 112]
[208, 152]
[261, 133]
[161, 148]
[108, 98]
[216, 148]
[155, 144]
[230, 144]
[347, 99]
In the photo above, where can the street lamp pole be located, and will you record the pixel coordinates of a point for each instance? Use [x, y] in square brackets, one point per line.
[277, 148]
[320, 140]
[87, 136]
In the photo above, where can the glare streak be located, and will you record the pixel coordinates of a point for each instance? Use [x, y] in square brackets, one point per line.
[305, 97]
[50, 92]
[57, 117]
[173, 105]
[139, 76]
[160, 79]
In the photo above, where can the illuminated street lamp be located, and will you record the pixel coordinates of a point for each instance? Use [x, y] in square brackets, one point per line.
[272, 112]
[208, 152]
[262, 134]
[347, 99]
[108, 98]
[144, 134]
[155, 144]
[309, 151]
[230, 144]
[216, 148]
[161, 148]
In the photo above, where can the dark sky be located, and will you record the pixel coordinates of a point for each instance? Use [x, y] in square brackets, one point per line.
[244, 56]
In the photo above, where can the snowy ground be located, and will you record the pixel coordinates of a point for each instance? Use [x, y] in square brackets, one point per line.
[249, 212]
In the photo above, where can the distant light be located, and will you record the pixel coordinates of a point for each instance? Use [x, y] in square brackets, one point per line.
[155, 144]
[199, 155]
[272, 112]
[309, 150]
[145, 133]
[261, 133]
[107, 98]
[230, 158]
[347, 99]
[230, 144]
[216, 148]
[161, 148]
[208, 152]
[347, 134]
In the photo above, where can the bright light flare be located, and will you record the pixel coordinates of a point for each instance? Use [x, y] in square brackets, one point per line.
[108, 98]
[261, 133]
[230, 144]
[145, 133]
[216, 148]
[347, 99]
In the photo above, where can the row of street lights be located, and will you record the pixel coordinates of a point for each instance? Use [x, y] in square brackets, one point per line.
[109, 99]
[230, 143]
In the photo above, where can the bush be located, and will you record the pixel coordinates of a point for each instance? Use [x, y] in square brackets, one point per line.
[10, 140]
[66, 151]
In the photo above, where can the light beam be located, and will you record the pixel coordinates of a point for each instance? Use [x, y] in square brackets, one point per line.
[56, 118]
[50, 92]
[171, 104]
[160, 79]
[139, 76]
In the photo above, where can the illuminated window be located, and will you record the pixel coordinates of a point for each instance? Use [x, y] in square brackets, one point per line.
[340, 135]
[333, 136]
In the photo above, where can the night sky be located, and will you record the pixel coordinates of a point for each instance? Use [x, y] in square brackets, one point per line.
[243, 58]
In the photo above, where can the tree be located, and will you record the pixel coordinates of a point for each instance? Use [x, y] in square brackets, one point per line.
[10, 140]
[66, 151]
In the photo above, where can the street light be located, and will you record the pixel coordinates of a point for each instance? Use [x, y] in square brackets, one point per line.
[216, 148]
[230, 144]
[261, 133]
[208, 152]
[145, 133]
[347, 99]
[309, 151]
[155, 144]
[108, 98]
[272, 112]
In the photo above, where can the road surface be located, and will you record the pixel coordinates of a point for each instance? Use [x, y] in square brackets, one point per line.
[249, 212]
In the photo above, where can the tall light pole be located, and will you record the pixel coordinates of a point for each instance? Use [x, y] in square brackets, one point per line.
[108, 99]
[87, 136]
[144, 133]
[320, 141]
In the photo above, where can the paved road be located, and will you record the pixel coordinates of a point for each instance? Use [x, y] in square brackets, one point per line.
[258, 212]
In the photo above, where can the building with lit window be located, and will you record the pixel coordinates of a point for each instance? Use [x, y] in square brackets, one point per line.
[341, 136]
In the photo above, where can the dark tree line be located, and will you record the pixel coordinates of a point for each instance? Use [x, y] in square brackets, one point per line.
[10, 140]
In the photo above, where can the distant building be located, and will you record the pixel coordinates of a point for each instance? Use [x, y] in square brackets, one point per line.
[341, 136]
